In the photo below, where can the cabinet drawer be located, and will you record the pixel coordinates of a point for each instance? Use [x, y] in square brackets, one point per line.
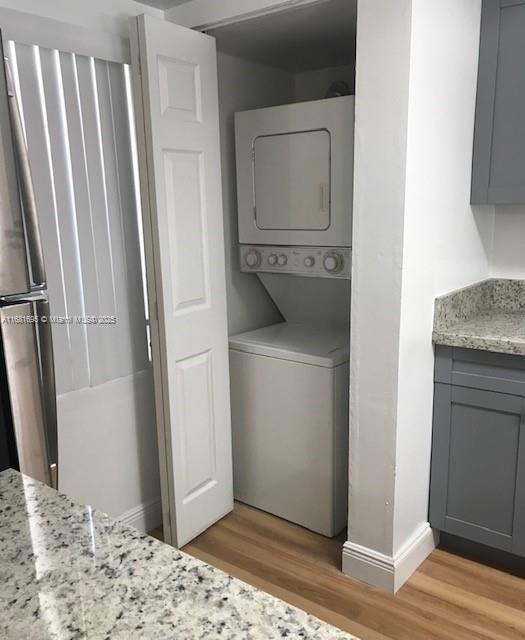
[485, 370]
[478, 466]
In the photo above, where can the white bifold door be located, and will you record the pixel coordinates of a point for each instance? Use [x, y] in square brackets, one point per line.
[175, 92]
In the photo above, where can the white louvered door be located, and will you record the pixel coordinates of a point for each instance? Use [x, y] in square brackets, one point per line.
[175, 75]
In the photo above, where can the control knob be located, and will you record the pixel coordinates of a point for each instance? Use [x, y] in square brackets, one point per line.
[282, 260]
[309, 261]
[272, 259]
[333, 262]
[252, 258]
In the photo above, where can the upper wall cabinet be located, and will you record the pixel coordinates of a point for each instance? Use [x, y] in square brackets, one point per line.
[498, 171]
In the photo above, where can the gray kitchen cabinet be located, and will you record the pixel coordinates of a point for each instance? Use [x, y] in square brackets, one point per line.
[478, 448]
[498, 167]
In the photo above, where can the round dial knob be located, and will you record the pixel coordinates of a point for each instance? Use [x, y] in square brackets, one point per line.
[253, 258]
[309, 261]
[272, 259]
[282, 260]
[333, 262]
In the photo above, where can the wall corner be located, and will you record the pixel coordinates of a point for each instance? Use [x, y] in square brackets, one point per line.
[389, 573]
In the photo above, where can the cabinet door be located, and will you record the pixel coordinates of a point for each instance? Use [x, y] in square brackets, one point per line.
[477, 475]
[498, 171]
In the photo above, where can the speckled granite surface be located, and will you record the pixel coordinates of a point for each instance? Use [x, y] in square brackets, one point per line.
[67, 571]
[489, 315]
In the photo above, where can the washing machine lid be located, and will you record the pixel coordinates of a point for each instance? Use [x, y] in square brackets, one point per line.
[315, 345]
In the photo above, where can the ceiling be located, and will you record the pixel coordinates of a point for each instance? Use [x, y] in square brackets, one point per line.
[162, 4]
[299, 39]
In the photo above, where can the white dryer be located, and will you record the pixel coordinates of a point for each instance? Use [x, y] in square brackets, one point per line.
[295, 173]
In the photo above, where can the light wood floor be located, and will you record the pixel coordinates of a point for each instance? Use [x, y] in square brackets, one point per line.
[449, 597]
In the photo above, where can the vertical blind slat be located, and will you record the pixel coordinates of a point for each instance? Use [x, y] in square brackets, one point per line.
[65, 209]
[77, 123]
[99, 213]
[124, 340]
[39, 153]
[83, 207]
[128, 214]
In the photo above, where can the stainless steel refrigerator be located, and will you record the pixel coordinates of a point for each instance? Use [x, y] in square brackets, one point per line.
[28, 417]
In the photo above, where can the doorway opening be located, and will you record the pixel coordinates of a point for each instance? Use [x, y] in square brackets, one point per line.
[270, 268]
[286, 90]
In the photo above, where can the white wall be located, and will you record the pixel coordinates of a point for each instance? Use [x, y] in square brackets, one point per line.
[508, 255]
[415, 236]
[383, 51]
[244, 85]
[447, 242]
[106, 15]
[313, 85]
[108, 448]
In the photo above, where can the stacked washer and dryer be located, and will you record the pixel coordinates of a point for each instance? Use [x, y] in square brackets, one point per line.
[290, 381]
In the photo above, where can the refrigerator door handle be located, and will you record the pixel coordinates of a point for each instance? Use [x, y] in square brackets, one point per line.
[48, 387]
[27, 193]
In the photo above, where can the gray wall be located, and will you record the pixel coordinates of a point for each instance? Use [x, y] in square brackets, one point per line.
[313, 85]
[244, 85]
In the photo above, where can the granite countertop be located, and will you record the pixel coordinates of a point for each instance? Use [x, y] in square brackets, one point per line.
[67, 571]
[489, 315]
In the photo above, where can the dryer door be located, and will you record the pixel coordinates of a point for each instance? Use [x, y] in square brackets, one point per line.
[291, 179]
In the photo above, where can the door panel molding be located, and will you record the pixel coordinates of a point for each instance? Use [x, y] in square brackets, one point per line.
[175, 80]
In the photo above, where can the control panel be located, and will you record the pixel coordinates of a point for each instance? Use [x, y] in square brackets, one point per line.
[317, 262]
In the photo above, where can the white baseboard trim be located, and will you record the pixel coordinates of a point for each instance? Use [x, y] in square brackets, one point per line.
[144, 517]
[389, 573]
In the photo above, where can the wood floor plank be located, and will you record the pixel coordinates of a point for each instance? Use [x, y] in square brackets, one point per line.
[477, 578]
[448, 598]
[481, 617]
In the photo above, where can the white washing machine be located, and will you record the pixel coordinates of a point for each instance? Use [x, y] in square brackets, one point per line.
[289, 381]
[289, 394]
[289, 397]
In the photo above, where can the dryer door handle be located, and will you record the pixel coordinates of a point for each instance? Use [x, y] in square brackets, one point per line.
[324, 191]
